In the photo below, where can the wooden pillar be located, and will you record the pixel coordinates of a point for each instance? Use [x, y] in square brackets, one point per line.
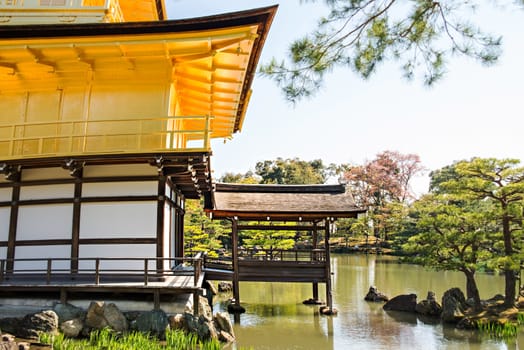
[160, 222]
[315, 246]
[13, 223]
[75, 231]
[234, 238]
[329, 294]
[179, 233]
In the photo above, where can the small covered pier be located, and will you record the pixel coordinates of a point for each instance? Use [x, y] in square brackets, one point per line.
[308, 210]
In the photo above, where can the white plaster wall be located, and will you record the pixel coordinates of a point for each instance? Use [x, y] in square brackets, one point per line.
[118, 220]
[3, 252]
[45, 174]
[5, 214]
[47, 191]
[49, 221]
[167, 234]
[42, 252]
[6, 194]
[119, 170]
[131, 188]
[117, 251]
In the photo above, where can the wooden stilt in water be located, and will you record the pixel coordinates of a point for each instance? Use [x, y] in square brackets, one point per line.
[328, 309]
[235, 307]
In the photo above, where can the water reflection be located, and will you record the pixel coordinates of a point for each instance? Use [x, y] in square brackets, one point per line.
[275, 317]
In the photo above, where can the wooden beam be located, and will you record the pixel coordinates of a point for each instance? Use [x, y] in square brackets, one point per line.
[278, 227]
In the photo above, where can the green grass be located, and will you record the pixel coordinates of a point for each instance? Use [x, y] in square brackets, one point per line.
[499, 331]
[108, 340]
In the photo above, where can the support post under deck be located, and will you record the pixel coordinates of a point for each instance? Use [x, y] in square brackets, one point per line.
[329, 295]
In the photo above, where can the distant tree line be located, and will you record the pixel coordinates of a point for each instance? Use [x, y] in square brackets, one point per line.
[470, 220]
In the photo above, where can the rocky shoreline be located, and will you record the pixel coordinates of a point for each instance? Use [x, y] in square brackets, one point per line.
[454, 308]
[75, 322]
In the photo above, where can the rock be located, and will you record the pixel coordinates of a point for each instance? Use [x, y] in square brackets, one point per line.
[403, 302]
[225, 287]
[211, 287]
[72, 328]
[234, 308]
[95, 316]
[177, 322]
[200, 326]
[10, 324]
[453, 305]
[32, 325]
[153, 322]
[326, 310]
[115, 318]
[223, 323]
[429, 307]
[8, 342]
[226, 337]
[467, 323]
[68, 312]
[375, 296]
[204, 309]
[312, 301]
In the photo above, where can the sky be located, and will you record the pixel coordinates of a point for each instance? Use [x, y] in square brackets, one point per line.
[474, 111]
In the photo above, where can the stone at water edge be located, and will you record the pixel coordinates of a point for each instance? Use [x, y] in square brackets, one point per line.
[403, 302]
[430, 306]
[325, 310]
[225, 287]
[375, 295]
[235, 309]
[312, 301]
[453, 305]
[32, 325]
[223, 323]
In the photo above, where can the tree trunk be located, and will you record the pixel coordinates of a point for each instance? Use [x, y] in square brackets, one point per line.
[509, 274]
[511, 283]
[472, 291]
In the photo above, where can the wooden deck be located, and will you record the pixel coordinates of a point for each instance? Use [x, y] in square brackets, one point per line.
[185, 278]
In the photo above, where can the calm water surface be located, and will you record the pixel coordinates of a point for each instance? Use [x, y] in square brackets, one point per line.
[275, 317]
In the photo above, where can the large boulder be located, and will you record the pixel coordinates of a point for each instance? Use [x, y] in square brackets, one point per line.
[100, 315]
[404, 302]
[115, 318]
[453, 305]
[95, 316]
[375, 295]
[223, 323]
[32, 325]
[153, 322]
[429, 307]
[68, 312]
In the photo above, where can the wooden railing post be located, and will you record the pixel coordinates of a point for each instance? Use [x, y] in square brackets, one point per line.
[49, 266]
[146, 274]
[97, 271]
[2, 267]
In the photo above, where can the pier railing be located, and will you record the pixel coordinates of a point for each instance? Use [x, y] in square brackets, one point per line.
[97, 271]
[296, 255]
[299, 256]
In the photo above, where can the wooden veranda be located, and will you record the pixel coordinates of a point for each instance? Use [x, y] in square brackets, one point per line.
[104, 276]
[300, 208]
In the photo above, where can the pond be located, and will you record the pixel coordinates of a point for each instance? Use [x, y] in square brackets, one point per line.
[275, 317]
